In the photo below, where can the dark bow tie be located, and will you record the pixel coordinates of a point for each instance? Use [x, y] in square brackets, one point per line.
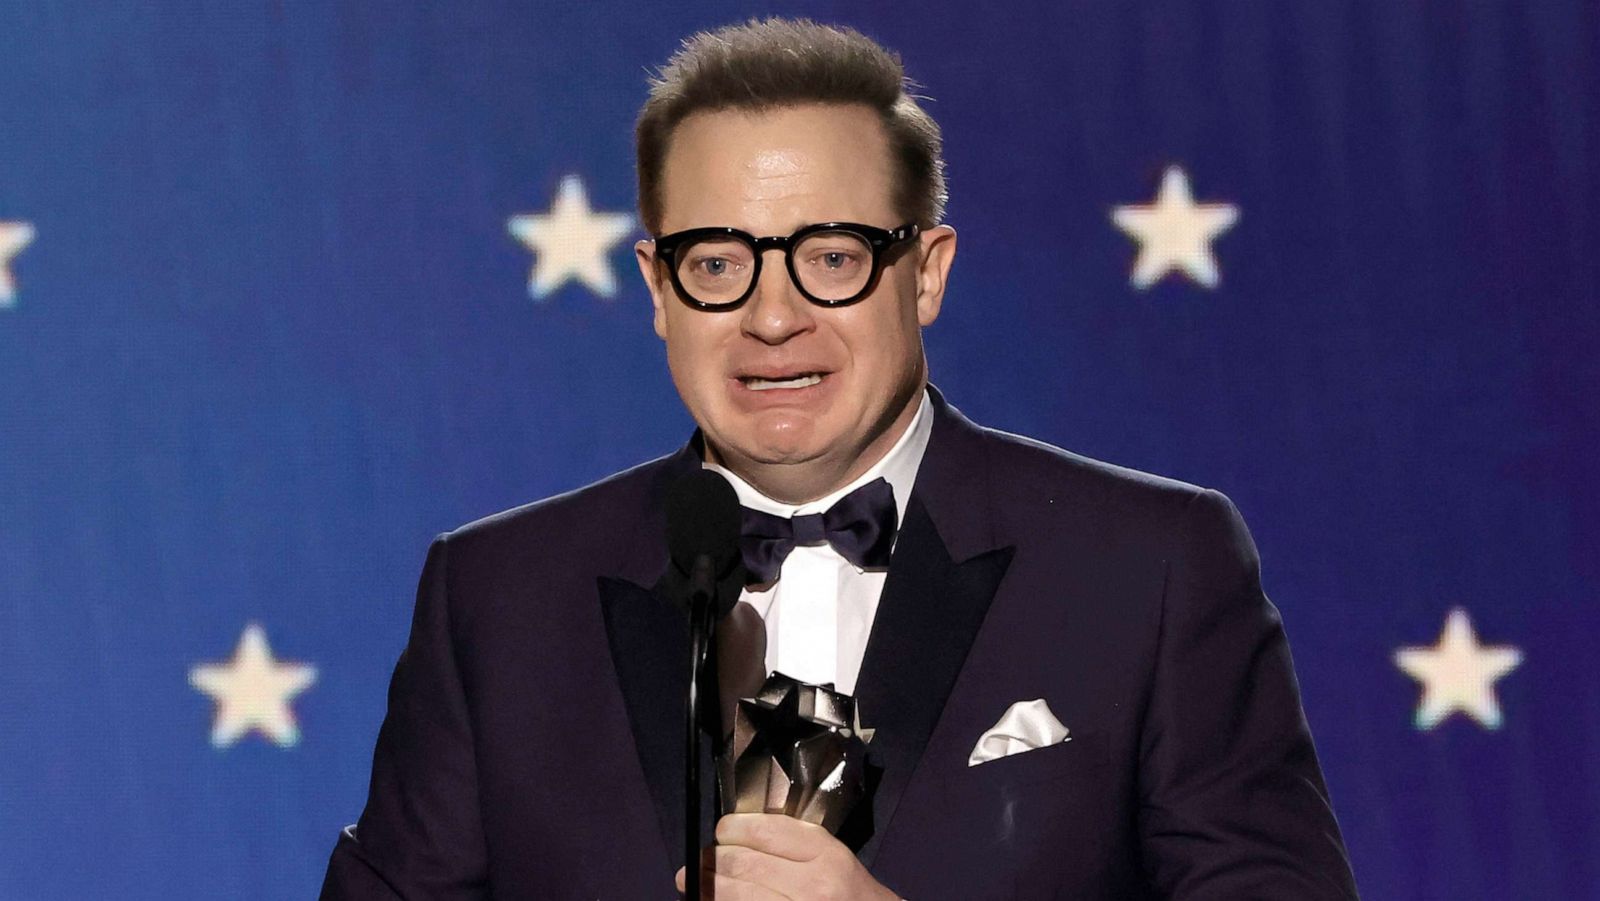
[860, 526]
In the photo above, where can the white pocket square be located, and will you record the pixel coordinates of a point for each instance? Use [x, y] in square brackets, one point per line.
[1026, 726]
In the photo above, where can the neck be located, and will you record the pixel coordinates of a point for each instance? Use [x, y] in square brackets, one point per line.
[799, 483]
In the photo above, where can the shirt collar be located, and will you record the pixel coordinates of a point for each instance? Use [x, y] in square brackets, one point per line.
[898, 467]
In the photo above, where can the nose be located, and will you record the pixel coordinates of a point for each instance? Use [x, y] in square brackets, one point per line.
[776, 311]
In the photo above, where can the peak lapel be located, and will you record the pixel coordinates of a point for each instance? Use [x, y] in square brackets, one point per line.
[945, 571]
[650, 650]
[649, 643]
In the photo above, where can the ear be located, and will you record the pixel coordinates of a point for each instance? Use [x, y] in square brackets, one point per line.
[937, 249]
[645, 252]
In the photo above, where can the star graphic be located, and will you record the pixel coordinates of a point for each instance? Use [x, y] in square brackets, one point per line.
[1458, 674]
[571, 242]
[252, 691]
[1175, 232]
[14, 236]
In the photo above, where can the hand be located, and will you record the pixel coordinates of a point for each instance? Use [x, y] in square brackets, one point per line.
[771, 857]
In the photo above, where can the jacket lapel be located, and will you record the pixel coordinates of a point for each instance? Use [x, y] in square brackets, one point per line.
[946, 568]
[650, 649]
[649, 642]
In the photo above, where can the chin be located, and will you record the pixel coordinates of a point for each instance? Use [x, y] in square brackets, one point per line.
[778, 442]
[778, 452]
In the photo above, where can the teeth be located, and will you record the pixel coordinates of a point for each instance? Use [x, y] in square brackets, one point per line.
[799, 381]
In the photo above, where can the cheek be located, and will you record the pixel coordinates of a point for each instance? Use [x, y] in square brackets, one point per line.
[692, 342]
[886, 341]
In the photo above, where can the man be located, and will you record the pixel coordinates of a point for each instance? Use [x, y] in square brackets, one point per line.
[1113, 621]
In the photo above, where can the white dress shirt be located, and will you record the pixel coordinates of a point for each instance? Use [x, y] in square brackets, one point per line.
[819, 612]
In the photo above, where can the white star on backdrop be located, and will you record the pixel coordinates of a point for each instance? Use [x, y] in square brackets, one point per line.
[1175, 232]
[571, 242]
[1458, 674]
[14, 236]
[252, 691]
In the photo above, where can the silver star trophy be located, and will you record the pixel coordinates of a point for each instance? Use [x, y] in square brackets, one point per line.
[797, 749]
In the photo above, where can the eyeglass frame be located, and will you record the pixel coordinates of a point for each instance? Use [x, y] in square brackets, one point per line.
[879, 240]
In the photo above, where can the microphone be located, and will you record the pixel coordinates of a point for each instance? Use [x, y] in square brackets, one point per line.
[703, 524]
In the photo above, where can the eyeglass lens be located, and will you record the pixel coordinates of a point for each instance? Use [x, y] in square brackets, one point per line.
[829, 266]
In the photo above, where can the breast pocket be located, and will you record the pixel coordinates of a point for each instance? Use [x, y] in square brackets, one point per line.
[1074, 757]
[1032, 816]
[1037, 783]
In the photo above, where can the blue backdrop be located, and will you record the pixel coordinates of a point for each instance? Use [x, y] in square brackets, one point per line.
[272, 320]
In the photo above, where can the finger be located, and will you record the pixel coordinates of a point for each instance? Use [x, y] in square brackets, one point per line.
[727, 888]
[777, 874]
[774, 834]
[726, 885]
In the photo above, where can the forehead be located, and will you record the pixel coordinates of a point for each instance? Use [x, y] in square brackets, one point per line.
[772, 171]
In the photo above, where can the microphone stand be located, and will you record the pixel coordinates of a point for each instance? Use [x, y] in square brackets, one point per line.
[702, 601]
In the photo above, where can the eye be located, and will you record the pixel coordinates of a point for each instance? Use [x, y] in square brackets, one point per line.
[835, 259]
[834, 255]
[713, 267]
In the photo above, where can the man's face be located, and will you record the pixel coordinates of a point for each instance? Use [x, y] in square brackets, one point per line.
[780, 386]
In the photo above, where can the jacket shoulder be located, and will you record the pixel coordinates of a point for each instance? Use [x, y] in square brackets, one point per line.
[1041, 488]
[1027, 467]
[577, 518]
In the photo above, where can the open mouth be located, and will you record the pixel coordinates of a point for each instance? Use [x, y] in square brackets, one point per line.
[799, 380]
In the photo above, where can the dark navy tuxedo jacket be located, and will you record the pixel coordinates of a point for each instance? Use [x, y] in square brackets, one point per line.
[532, 746]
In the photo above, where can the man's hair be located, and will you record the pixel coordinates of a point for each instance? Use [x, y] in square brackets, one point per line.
[775, 63]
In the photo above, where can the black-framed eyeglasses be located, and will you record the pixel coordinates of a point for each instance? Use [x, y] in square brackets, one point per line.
[832, 263]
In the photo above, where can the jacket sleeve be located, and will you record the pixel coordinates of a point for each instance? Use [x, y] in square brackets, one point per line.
[1232, 800]
[420, 835]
